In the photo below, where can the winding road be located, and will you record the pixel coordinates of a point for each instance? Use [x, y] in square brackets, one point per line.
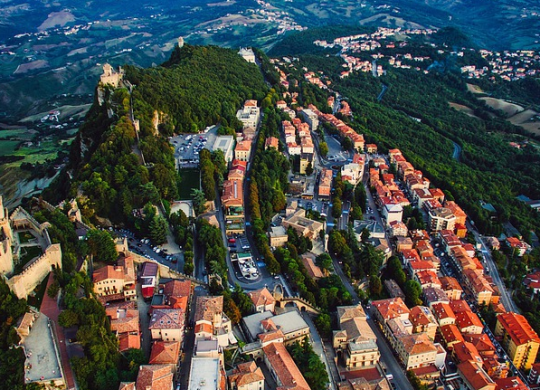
[457, 151]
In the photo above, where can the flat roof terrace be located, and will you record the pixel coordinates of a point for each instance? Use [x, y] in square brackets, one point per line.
[42, 363]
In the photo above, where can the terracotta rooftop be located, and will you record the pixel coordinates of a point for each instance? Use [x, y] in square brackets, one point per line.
[518, 328]
[165, 352]
[313, 270]
[129, 268]
[167, 319]
[417, 343]
[451, 334]
[481, 341]
[177, 288]
[127, 386]
[245, 374]
[421, 316]
[129, 341]
[466, 319]
[272, 335]
[476, 376]
[284, 367]
[511, 383]
[459, 306]
[261, 297]
[443, 310]
[207, 307]
[155, 377]
[108, 272]
[123, 321]
[391, 308]
[450, 283]
[465, 351]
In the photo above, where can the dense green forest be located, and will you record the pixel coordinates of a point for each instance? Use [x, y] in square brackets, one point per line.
[116, 168]
[302, 42]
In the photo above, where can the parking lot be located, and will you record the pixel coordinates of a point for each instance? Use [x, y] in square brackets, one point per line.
[188, 146]
[245, 264]
[335, 152]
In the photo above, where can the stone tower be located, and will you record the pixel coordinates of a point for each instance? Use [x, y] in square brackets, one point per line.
[180, 42]
[6, 239]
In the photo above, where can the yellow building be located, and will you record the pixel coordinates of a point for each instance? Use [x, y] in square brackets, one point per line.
[519, 339]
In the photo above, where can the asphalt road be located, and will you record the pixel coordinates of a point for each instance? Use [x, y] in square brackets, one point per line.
[506, 298]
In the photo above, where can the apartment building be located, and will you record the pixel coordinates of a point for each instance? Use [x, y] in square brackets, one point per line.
[518, 338]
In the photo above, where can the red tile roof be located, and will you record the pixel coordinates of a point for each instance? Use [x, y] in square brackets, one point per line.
[391, 308]
[465, 351]
[108, 272]
[129, 341]
[476, 376]
[155, 377]
[284, 367]
[511, 383]
[451, 334]
[468, 319]
[165, 352]
[518, 328]
[261, 297]
[245, 374]
[177, 288]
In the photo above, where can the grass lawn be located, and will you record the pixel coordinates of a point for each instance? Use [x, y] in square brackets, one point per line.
[8, 147]
[24, 237]
[190, 180]
[16, 133]
[27, 253]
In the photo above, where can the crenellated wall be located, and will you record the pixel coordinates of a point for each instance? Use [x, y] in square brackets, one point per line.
[35, 271]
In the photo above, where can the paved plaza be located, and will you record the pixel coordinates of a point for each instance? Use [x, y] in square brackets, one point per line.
[41, 358]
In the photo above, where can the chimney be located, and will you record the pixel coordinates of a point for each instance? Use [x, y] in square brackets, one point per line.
[235, 190]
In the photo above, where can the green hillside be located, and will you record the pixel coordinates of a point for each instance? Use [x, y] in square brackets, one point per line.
[195, 88]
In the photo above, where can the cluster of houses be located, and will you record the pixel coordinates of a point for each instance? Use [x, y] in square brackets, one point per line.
[446, 316]
[509, 65]
[344, 130]
[170, 304]
[297, 135]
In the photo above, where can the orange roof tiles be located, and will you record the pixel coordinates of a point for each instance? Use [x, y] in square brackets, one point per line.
[467, 319]
[108, 272]
[465, 351]
[207, 307]
[451, 334]
[167, 319]
[284, 367]
[313, 270]
[155, 377]
[443, 310]
[476, 376]
[165, 352]
[177, 288]
[518, 328]
[129, 341]
[391, 308]
[261, 297]
[513, 383]
[245, 374]
[459, 306]
[450, 283]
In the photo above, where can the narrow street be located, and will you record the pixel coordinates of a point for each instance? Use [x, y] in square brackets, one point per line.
[506, 298]
[387, 356]
[320, 350]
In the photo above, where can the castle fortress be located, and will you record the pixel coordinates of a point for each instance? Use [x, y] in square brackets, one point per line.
[11, 249]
